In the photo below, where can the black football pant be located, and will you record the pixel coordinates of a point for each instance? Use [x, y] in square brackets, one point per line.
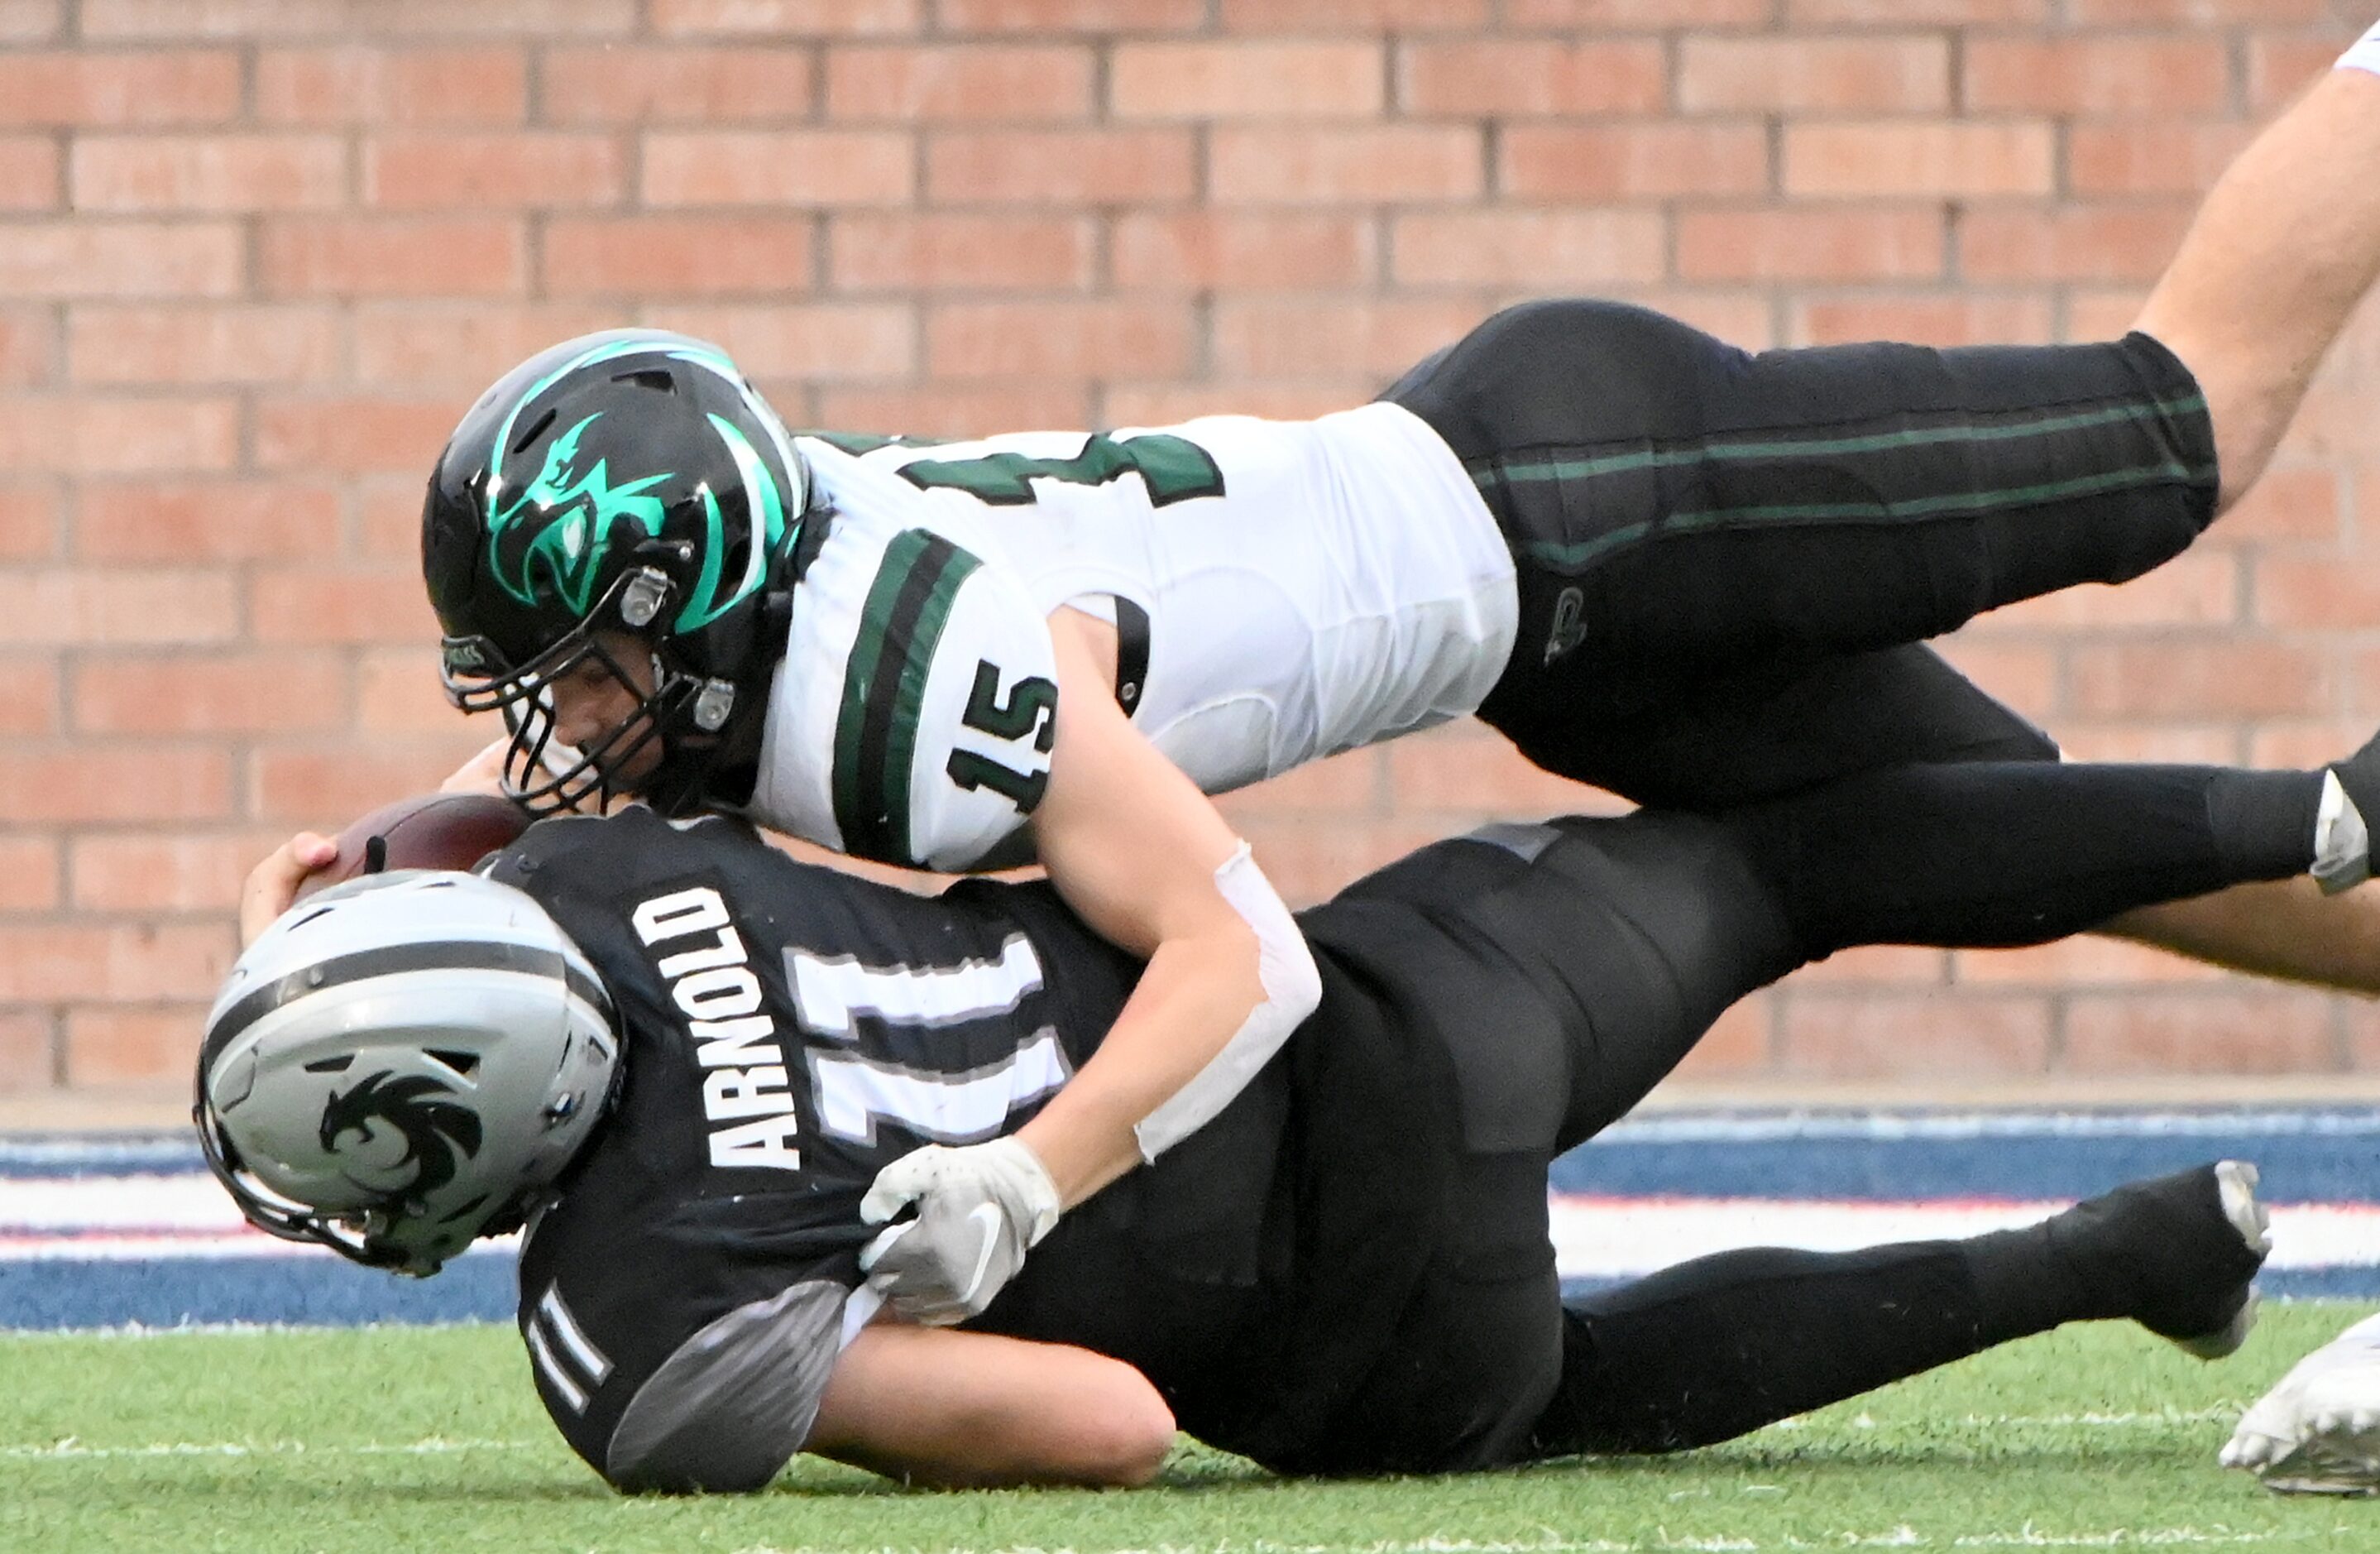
[1566, 967]
[1727, 561]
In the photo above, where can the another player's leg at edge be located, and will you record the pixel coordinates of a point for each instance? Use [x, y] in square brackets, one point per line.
[2281, 252]
[2255, 348]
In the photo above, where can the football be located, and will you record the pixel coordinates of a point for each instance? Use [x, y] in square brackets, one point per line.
[428, 831]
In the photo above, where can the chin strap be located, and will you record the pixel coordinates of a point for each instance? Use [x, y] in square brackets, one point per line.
[724, 775]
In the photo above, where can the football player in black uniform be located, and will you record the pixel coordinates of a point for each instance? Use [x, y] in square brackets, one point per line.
[683, 1058]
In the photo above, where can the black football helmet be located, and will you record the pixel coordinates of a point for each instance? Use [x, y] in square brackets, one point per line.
[627, 483]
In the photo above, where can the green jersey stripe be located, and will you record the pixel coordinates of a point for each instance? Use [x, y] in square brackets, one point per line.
[883, 687]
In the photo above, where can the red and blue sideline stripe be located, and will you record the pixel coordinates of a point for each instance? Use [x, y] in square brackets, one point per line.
[102, 1233]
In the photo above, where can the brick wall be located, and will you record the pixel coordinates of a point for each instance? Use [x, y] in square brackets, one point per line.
[257, 255]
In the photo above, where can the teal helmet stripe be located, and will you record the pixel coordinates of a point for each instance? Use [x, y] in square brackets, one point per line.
[797, 470]
[772, 535]
[611, 350]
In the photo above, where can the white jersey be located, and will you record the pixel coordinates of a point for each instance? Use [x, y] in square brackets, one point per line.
[1310, 587]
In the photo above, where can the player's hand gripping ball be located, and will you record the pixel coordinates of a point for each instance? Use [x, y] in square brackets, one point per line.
[429, 830]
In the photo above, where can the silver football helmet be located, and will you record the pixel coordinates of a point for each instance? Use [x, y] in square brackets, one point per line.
[402, 1062]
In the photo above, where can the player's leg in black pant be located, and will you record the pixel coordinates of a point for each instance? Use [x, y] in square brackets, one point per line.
[1571, 966]
[1566, 967]
[1778, 729]
[1724, 1344]
[1702, 505]
[1683, 513]
[1996, 853]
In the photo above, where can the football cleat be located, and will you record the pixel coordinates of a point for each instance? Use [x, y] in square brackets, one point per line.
[2317, 1432]
[2235, 1185]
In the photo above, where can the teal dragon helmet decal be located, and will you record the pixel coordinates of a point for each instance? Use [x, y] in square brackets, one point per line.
[578, 512]
[549, 544]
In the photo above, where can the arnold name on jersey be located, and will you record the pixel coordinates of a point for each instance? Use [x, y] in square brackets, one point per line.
[711, 982]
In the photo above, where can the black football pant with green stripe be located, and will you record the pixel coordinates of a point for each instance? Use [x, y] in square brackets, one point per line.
[1729, 561]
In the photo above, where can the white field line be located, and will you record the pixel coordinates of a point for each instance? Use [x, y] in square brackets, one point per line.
[2218, 1414]
[242, 1243]
[2026, 1536]
[219, 1329]
[2222, 1412]
[185, 1201]
[2094, 1421]
[72, 1449]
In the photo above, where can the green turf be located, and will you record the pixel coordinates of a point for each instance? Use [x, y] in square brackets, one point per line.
[431, 1440]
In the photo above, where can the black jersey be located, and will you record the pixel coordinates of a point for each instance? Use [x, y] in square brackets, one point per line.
[786, 1032]
[1255, 1271]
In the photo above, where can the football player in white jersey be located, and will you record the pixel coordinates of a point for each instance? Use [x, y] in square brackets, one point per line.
[1692, 576]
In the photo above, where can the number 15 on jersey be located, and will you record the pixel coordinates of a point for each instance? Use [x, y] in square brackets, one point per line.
[1029, 710]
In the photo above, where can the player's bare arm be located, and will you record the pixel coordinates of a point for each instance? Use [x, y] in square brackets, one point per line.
[2287, 929]
[1134, 847]
[965, 1410]
[594, 696]
[273, 883]
[1144, 859]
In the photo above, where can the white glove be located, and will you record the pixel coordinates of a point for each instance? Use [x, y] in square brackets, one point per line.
[2318, 1431]
[980, 1207]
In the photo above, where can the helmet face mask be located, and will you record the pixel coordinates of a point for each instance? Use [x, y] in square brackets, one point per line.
[631, 481]
[401, 1063]
[542, 772]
